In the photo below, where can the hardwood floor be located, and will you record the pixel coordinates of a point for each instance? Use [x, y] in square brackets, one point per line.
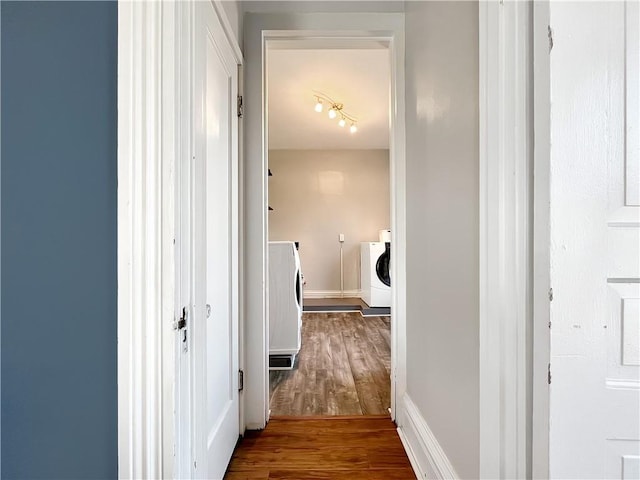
[355, 448]
[343, 368]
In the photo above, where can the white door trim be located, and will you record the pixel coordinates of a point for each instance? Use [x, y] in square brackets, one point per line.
[153, 136]
[506, 162]
[146, 281]
[259, 29]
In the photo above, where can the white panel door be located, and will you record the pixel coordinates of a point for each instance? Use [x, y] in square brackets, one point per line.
[595, 240]
[215, 324]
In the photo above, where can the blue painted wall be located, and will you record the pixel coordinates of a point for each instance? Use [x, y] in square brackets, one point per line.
[59, 165]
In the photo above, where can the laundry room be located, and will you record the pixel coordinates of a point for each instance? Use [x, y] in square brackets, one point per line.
[329, 204]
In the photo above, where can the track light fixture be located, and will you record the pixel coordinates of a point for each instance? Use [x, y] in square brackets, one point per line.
[336, 110]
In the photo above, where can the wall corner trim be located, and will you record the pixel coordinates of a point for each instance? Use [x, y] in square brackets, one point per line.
[427, 457]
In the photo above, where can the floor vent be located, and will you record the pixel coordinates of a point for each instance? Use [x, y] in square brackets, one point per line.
[281, 362]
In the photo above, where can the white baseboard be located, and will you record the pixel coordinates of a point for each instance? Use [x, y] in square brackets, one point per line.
[425, 453]
[332, 293]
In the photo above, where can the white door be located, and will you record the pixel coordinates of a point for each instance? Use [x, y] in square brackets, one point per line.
[595, 240]
[214, 328]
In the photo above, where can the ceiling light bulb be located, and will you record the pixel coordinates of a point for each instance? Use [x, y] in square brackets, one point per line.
[353, 128]
[332, 113]
[319, 106]
[342, 122]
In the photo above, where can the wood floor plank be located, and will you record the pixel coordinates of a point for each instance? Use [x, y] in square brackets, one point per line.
[248, 475]
[369, 440]
[377, 371]
[362, 375]
[380, 343]
[387, 456]
[383, 474]
[302, 457]
[321, 425]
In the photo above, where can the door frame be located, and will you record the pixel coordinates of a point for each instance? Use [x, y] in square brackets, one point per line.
[513, 292]
[154, 164]
[147, 102]
[541, 330]
[260, 29]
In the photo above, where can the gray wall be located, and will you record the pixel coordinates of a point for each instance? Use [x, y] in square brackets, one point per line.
[59, 392]
[442, 224]
[318, 194]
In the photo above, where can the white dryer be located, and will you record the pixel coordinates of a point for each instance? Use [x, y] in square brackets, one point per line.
[285, 305]
[375, 258]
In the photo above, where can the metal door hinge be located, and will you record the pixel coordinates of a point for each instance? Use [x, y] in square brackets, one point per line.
[240, 380]
[240, 106]
[181, 326]
[551, 294]
[549, 374]
[182, 321]
[550, 35]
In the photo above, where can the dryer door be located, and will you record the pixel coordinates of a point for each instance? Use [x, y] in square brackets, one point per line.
[382, 265]
[299, 288]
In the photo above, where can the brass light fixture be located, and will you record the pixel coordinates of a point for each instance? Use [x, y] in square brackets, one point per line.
[336, 110]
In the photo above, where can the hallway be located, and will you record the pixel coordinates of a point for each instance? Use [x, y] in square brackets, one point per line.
[339, 448]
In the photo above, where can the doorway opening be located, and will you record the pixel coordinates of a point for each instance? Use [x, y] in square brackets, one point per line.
[329, 236]
[263, 33]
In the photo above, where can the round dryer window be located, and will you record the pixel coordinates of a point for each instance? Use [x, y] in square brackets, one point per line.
[382, 265]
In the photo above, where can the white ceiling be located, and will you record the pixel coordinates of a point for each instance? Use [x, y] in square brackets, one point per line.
[359, 79]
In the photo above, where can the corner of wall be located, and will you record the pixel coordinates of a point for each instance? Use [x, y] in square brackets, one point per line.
[427, 457]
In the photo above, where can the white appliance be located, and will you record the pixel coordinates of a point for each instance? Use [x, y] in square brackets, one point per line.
[375, 258]
[384, 235]
[285, 305]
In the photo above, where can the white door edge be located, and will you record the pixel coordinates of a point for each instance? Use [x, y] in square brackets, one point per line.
[541, 243]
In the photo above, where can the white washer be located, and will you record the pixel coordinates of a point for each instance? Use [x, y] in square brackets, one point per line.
[375, 277]
[285, 305]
